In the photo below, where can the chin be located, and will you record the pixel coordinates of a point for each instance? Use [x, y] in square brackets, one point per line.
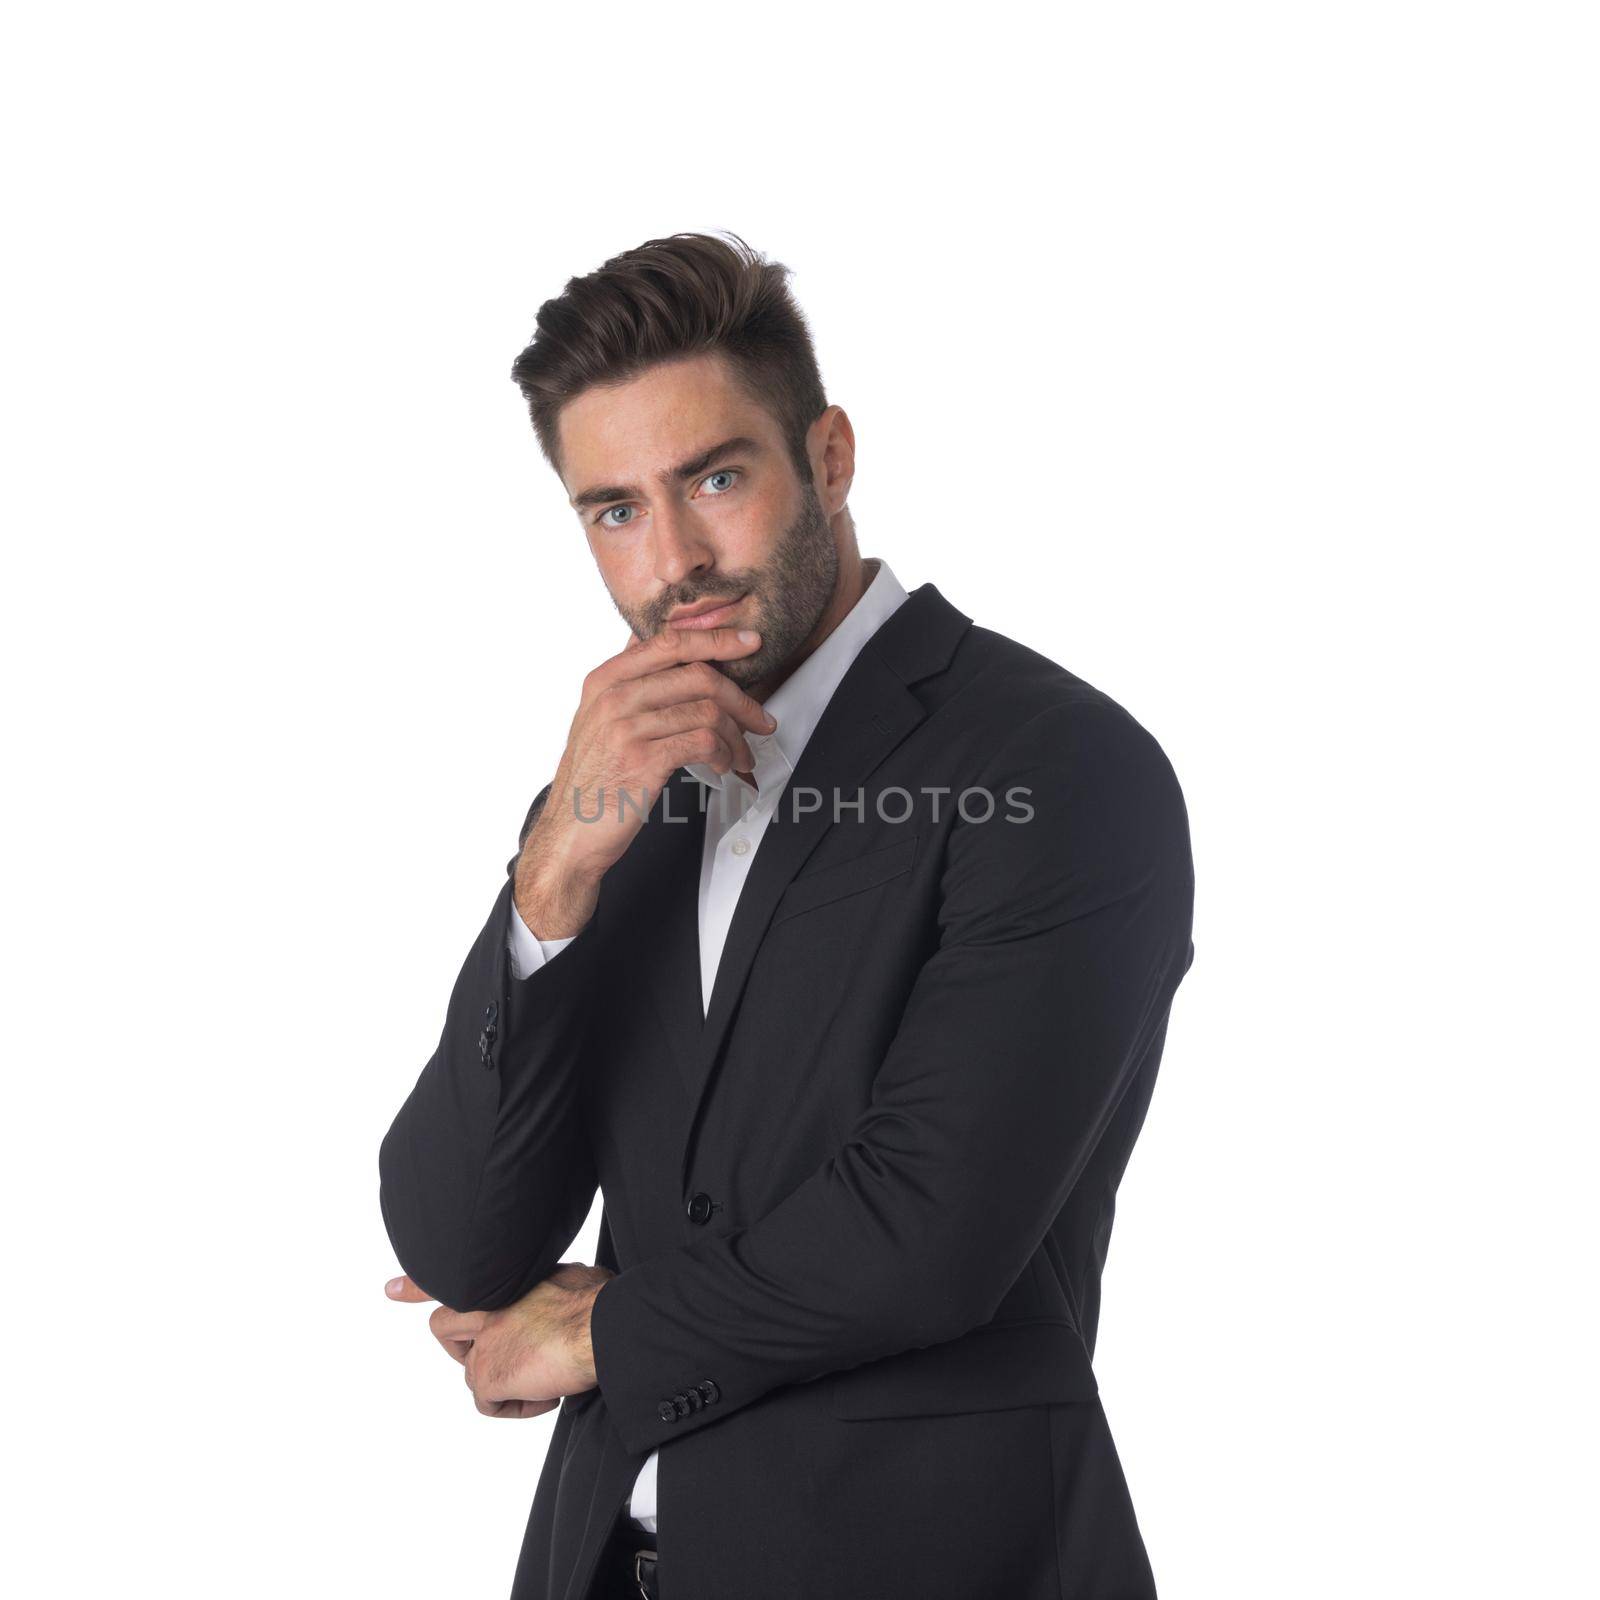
[738, 670]
[745, 670]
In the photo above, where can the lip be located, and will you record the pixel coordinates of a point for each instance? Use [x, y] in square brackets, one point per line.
[708, 614]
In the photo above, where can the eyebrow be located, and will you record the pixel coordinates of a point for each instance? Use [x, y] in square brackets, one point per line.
[691, 468]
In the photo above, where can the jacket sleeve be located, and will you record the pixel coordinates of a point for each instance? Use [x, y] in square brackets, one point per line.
[528, 952]
[487, 1173]
[1063, 938]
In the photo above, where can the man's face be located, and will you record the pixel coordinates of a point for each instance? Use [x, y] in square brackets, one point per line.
[689, 498]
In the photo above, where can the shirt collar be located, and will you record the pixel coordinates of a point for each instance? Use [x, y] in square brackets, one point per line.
[799, 701]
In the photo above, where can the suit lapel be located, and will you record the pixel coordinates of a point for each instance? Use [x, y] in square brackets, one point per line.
[870, 713]
[667, 939]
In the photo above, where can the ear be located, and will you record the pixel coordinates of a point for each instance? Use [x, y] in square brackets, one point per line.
[831, 445]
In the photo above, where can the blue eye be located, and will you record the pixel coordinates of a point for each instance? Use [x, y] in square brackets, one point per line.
[726, 472]
[601, 519]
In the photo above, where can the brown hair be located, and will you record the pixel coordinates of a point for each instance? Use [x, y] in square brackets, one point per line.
[683, 295]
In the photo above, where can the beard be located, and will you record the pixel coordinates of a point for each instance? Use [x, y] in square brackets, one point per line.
[790, 594]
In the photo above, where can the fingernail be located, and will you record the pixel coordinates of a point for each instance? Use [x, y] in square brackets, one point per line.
[748, 636]
[772, 721]
[394, 1285]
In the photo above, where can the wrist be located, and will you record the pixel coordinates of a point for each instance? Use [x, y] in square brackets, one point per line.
[580, 1340]
[554, 898]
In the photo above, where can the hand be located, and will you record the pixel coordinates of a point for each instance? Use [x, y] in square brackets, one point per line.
[656, 706]
[522, 1359]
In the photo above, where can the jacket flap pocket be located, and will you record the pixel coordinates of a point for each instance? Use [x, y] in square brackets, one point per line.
[843, 878]
[1037, 1362]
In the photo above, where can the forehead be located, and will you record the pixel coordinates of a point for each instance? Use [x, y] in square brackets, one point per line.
[622, 432]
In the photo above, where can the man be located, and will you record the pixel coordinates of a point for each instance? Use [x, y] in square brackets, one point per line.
[838, 954]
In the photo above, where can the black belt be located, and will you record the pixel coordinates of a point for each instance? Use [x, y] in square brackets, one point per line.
[644, 1574]
[632, 1558]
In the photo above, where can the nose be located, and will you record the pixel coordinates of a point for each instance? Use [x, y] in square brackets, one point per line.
[680, 545]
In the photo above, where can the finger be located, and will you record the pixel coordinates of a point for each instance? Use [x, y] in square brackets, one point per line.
[447, 1324]
[456, 1349]
[529, 1408]
[691, 714]
[697, 680]
[673, 645]
[518, 1408]
[492, 1400]
[698, 747]
[455, 1344]
[740, 756]
[515, 1408]
[402, 1288]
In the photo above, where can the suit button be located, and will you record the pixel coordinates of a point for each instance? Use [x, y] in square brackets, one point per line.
[681, 1404]
[700, 1207]
[667, 1411]
[487, 1037]
[695, 1398]
[709, 1390]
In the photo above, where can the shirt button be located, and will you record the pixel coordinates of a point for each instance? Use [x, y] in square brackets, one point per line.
[741, 846]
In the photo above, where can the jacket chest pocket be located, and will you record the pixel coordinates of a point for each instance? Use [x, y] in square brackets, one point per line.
[1040, 1361]
[846, 878]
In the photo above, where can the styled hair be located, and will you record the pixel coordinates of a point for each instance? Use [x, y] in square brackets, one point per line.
[680, 296]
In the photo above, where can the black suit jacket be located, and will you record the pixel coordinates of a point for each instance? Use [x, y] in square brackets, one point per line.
[859, 1212]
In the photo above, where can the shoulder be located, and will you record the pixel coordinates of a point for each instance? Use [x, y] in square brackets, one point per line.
[1035, 712]
[1087, 812]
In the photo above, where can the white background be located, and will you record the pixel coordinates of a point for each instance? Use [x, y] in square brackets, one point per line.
[1242, 358]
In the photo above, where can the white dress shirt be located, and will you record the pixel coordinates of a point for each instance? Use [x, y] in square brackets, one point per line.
[736, 821]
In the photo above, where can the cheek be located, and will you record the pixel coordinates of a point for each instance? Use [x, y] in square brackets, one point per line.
[624, 568]
[629, 586]
[748, 536]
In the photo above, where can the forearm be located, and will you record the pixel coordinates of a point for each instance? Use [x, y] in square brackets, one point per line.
[486, 1171]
